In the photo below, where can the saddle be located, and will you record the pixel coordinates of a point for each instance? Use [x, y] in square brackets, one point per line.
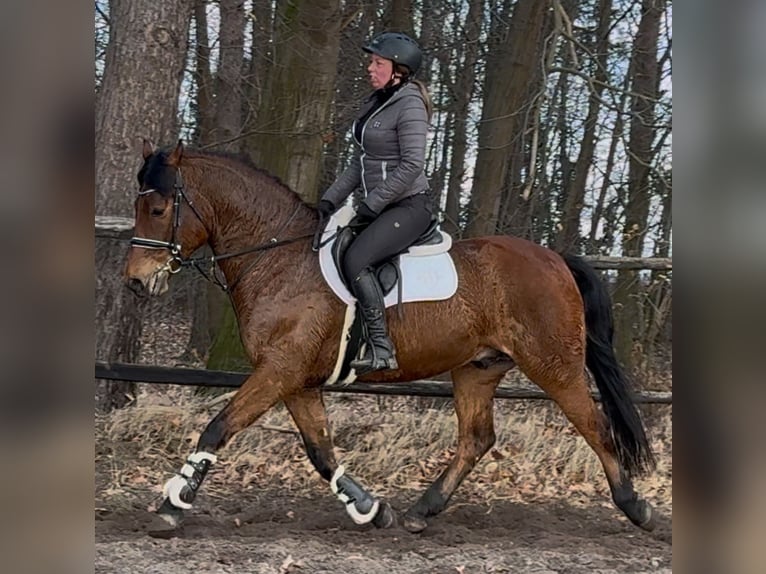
[422, 272]
[389, 275]
[389, 272]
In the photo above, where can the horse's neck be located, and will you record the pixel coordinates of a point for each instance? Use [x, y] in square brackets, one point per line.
[241, 223]
[245, 217]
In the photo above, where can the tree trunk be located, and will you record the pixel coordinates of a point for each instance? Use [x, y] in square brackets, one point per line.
[138, 98]
[524, 203]
[595, 246]
[629, 319]
[291, 119]
[295, 110]
[219, 107]
[429, 30]
[227, 352]
[569, 237]
[204, 103]
[464, 88]
[399, 17]
[260, 56]
[510, 70]
[564, 130]
[660, 288]
[228, 81]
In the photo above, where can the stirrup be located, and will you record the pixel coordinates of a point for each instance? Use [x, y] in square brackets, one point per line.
[374, 363]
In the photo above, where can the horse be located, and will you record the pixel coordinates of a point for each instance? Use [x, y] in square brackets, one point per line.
[518, 305]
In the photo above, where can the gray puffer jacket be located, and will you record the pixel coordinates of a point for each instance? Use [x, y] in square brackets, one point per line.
[388, 162]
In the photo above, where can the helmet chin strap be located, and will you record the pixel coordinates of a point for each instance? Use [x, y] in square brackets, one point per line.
[395, 80]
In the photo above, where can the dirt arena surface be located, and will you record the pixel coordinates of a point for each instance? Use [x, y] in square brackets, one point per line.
[537, 503]
[277, 534]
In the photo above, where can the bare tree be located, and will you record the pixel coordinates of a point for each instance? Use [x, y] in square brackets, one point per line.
[399, 16]
[463, 93]
[645, 67]
[262, 16]
[503, 111]
[659, 294]
[287, 131]
[228, 79]
[204, 104]
[295, 109]
[138, 97]
[600, 207]
[569, 237]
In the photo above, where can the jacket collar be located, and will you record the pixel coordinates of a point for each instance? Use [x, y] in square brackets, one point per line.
[398, 90]
[372, 98]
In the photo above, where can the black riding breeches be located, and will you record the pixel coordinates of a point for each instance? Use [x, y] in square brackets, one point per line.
[393, 231]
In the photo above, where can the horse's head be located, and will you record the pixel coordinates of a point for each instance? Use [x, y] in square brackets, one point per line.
[168, 227]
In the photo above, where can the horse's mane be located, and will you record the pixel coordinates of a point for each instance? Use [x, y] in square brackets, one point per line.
[244, 162]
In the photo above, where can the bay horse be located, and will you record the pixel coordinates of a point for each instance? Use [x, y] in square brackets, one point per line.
[518, 304]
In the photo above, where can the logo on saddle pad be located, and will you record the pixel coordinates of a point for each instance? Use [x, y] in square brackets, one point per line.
[427, 272]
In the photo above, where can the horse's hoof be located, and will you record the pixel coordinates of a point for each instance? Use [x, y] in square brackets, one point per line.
[164, 526]
[386, 517]
[414, 523]
[648, 523]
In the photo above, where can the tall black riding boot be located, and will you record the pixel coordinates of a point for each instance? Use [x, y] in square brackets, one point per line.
[379, 351]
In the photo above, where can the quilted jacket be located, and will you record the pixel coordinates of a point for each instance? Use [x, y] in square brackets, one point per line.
[389, 159]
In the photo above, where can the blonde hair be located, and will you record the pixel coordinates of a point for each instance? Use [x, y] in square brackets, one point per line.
[426, 97]
[404, 72]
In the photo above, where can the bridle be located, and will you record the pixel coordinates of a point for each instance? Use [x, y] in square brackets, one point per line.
[177, 261]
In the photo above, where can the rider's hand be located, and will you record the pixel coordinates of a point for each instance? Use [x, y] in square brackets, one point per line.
[325, 209]
[364, 216]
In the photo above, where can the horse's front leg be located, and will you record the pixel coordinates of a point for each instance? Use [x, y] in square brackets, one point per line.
[262, 390]
[308, 411]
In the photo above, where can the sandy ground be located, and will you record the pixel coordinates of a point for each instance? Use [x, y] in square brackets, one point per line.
[274, 533]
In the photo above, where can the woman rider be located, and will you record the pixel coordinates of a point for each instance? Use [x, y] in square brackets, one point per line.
[387, 171]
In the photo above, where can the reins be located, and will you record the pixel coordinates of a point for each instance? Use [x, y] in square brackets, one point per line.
[176, 261]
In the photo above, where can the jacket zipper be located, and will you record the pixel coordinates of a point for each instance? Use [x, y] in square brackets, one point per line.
[361, 141]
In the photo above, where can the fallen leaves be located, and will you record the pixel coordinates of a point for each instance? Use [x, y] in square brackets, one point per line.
[289, 564]
[537, 455]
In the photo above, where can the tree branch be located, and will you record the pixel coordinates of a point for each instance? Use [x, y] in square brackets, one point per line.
[103, 15]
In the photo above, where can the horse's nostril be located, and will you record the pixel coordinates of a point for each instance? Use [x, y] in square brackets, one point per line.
[136, 286]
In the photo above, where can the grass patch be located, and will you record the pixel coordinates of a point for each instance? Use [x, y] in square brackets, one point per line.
[389, 444]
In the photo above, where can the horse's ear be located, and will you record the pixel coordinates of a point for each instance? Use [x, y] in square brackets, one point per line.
[175, 158]
[149, 148]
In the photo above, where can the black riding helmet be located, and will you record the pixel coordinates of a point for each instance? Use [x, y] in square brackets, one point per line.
[397, 47]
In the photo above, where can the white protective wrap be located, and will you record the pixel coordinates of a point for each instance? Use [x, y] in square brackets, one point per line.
[174, 487]
[355, 515]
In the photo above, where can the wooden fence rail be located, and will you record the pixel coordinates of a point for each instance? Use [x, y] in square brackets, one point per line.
[206, 378]
[122, 228]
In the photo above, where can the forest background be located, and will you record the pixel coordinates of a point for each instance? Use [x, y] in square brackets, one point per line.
[552, 122]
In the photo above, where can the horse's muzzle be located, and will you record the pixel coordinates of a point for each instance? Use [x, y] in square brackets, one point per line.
[137, 287]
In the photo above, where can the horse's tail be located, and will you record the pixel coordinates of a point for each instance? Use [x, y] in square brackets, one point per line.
[627, 429]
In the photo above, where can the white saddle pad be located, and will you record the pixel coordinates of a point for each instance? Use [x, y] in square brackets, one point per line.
[428, 272]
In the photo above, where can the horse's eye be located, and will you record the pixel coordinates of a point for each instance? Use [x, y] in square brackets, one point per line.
[157, 211]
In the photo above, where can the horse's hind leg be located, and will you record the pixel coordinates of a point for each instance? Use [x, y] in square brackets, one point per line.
[474, 389]
[568, 387]
[308, 411]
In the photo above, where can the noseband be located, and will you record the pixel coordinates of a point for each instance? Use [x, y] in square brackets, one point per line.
[177, 261]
